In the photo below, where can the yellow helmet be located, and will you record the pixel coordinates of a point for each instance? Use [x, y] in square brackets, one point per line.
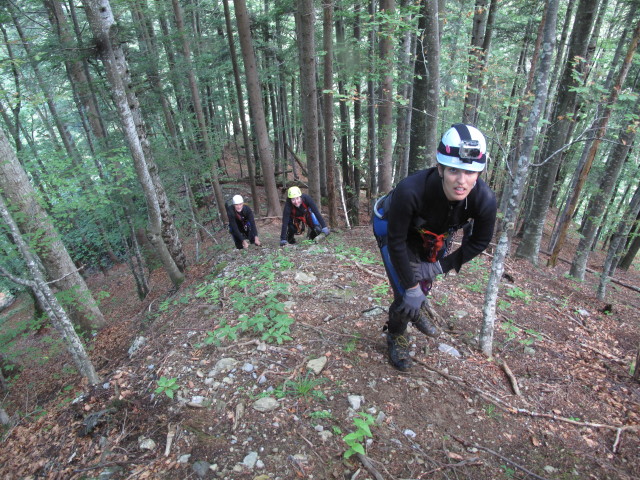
[294, 192]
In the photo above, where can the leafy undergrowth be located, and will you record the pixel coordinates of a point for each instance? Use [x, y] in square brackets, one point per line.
[170, 410]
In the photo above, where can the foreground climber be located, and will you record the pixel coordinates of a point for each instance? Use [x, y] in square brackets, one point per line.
[242, 224]
[414, 226]
[300, 214]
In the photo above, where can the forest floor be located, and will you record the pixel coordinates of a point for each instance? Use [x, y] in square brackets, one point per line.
[252, 408]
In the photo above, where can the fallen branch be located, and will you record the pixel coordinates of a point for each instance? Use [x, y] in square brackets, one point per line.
[604, 354]
[514, 410]
[366, 462]
[370, 272]
[501, 457]
[512, 378]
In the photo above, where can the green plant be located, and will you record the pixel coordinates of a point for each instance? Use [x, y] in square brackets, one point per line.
[168, 386]
[354, 439]
[304, 387]
[508, 471]
[490, 410]
[515, 292]
[351, 344]
[504, 305]
[321, 414]
[380, 291]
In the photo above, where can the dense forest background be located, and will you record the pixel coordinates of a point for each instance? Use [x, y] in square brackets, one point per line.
[118, 119]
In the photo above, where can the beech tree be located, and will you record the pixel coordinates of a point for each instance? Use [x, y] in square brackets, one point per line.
[104, 29]
[59, 268]
[45, 295]
[515, 194]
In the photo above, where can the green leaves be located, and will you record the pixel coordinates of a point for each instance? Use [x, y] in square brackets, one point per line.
[167, 386]
[354, 439]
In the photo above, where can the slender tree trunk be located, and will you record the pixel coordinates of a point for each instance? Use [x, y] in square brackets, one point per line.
[567, 99]
[617, 244]
[195, 97]
[59, 267]
[257, 110]
[305, 20]
[385, 107]
[633, 241]
[327, 10]
[600, 132]
[104, 29]
[519, 181]
[47, 299]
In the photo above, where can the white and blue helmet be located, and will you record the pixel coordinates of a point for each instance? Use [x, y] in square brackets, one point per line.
[463, 147]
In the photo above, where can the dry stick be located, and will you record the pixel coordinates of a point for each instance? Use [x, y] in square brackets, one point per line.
[501, 457]
[511, 409]
[375, 274]
[512, 378]
[366, 462]
[470, 462]
[604, 354]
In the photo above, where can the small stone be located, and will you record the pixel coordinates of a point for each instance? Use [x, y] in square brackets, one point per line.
[443, 347]
[265, 404]
[223, 365]
[201, 468]
[250, 460]
[355, 401]
[135, 346]
[304, 277]
[317, 364]
[550, 469]
[248, 367]
[410, 433]
[325, 435]
[145, 443]
[184, 458]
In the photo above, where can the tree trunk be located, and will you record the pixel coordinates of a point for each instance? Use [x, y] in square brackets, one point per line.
[197, 104]
[385, 104]
[617, 243]
[305, 20]
[257, 109]
[46, 297]
[567, 99]
[59, 267]
[633, 241]
[515, 195]
[327, 23]
[601, 129]
[104, 29]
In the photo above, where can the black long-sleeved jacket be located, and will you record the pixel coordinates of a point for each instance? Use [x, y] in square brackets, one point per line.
[299, 212]
[419, 202]
[237, 222]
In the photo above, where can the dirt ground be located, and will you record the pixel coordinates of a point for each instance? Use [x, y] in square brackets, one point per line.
[576, 413]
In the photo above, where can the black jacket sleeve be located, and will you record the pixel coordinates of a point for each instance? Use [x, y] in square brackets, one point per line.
[233, 222]
[403, 209]
[286, 216]
[248, 214]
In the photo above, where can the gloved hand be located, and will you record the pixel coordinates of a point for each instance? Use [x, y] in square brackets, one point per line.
[428, 271]
[283, 243]
[326, 230]
[412, 301]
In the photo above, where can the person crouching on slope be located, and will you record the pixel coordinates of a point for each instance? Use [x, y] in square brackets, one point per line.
[242, 225]
[414, 226]
[300, 212]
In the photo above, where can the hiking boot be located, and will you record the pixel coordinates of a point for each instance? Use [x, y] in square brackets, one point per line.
[399, 351]
[426, 327]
